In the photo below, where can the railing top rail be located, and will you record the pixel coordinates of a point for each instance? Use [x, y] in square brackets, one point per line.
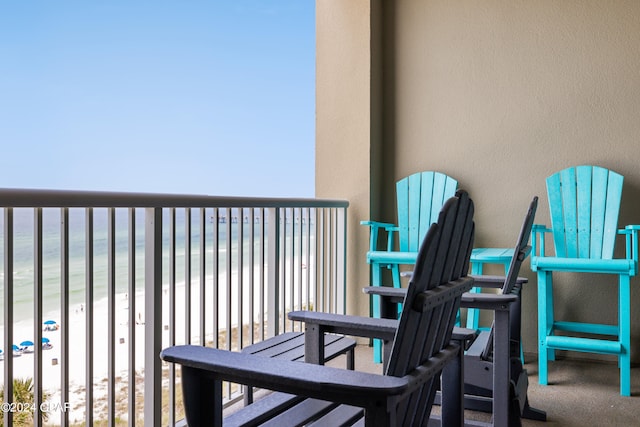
[32, 198]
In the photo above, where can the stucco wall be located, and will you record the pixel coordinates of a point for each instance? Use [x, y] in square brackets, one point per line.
[344, 131]
[498, 94]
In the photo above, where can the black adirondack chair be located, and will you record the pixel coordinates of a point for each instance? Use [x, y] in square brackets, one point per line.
[495, 379]
[485, 363]
[422, 349]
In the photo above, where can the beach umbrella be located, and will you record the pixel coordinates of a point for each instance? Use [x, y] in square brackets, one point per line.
[50, 325]
[45, 340]
[26, 344]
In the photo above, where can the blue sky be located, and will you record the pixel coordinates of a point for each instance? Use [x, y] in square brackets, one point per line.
[202, 97]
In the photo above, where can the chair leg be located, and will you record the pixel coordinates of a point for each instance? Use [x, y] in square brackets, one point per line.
[501, 369]
[397, 281]
[452, 385]
[545, 320]
[376, 273]
[548, 278]
[624, 324]
[202, 397]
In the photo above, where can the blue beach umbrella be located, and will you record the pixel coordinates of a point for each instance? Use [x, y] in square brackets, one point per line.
[45, 340]
[26, 344]
[50, 325]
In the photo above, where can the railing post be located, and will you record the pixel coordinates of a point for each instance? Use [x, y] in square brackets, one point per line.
[132, 316]
[7, 416]
[273, 271]
[89, 283]
[341, 259]
[153, 317]
[64, 312]
[37, 315]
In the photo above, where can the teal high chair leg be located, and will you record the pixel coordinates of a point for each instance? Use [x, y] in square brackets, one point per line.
[376, 281]
[624, 324]
[545, 322]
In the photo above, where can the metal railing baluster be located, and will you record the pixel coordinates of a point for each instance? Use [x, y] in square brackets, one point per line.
[252, 273]
[37, 315]
[131, 319]
[273, 279]
[228, 287]
[262, 279]
[153, 317]
[172, 310]
[307, 258]
[64, 314]
[8, 313]
[240, 269]
[111, 316]
[187, 275]
[216, 277]
[203, 277]
[89, 250]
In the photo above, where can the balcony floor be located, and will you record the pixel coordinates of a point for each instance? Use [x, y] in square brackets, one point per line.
[581, 393]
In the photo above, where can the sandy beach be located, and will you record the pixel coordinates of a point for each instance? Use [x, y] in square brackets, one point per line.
[51, 372]
[23, 365]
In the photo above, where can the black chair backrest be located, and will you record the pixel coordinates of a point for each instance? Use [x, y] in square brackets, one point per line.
[432, 301]
[521, 249]
[519, 254]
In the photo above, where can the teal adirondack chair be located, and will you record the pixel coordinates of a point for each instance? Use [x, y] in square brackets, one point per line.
[420, 198]
[584, 203]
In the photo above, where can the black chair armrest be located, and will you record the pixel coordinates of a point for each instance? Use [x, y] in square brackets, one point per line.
[487, 301]
[463, 334]
[358, 326]
[395, 294]
[489, 281]
[337, 385]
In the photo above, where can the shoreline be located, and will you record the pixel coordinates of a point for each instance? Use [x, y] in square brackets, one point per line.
[23, 365]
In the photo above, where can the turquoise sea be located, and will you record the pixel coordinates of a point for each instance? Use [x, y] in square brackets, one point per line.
[23, 259]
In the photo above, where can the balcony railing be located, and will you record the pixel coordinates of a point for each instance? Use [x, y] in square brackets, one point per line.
[99, 283]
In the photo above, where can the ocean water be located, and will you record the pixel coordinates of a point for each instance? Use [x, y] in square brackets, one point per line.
[23, 255]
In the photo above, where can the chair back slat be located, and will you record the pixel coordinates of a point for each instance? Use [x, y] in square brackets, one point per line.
[584, 189]
[440, 278]
[614, 196]
[419, 199]
[521, 249]
[584, 203]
